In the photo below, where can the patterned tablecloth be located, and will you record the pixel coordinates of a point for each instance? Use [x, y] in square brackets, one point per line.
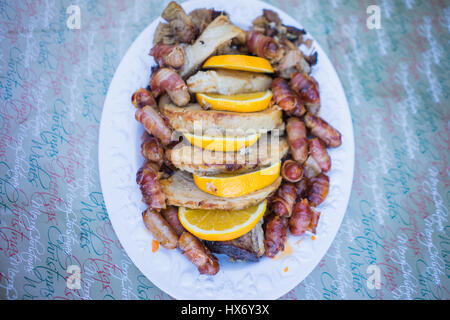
[54, 76]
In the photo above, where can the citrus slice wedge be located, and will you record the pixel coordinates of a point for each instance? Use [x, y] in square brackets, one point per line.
[222, 143]
[239, 62]
[229, 185]
[244, 102]
[221, 225]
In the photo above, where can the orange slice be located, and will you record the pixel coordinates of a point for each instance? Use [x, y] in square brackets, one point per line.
[239, 62]
[222, 143]
[244, 102]
[229, 185]
[221, 225]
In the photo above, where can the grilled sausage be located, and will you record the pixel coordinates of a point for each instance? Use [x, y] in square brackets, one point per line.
[320, 128]
[287, 99]
[318, 150]
[304, 218]
[318, 190]
[152, 150]
[167, 55]
[167, 80]
[154, 124]
[291, 171]
[264, 46]
[302, 188]
[171, 216]
[198, 254]
[275, 232]
[306, 87]
[298, 143]
[147, 178]
[142, 97]
[160, 229]
[284, 199]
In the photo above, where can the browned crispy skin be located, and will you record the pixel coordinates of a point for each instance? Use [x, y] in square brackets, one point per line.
[320, 128]
[167, 55]
[301, 218]
[305, 86]
[271, 16]
[318, 150]
[164, 34]
[167, 80]
[284, 199]
[152, 150]
[198, 254]
[318, 190]
[271, 25]
[293, 61]
[160, 229]
[298, 143]
[286, 98]
[275, 231]
[171, 216]
[291, 171]
[203, 17]
[154, 124]
[147, 178]
[264, 46]
[183, 27]
[142, 97]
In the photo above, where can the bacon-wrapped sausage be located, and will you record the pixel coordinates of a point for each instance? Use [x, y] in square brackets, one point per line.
[148, 180]
[167, 80]
[142, 97]
[318, 190]
[152, 150]
[306, 87]
[314, 221]
[287, 99]
[171, 216]
[160, 229]
[297, 111]
[291, 171]
[167, 55]
[154, 124]
[318, 150]
[275, 232]
[303, 218]
[264, 46]
[320, 128]
[198, 254]
[311, 168]
[298, 143]
[302, 188]
[284, 199]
